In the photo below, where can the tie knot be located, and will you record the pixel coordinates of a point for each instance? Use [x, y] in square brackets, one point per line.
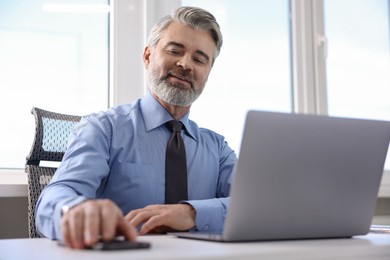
[174, 126]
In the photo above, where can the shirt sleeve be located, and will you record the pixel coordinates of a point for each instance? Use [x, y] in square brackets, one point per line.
[211, 213]
[69, 185]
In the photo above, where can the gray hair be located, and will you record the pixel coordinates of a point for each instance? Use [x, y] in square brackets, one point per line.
[194, 17]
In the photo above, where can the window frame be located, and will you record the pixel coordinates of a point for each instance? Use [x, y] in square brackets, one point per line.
[309, 52]
[308, 56]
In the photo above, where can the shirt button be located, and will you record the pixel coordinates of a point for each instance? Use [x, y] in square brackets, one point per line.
[205, 228]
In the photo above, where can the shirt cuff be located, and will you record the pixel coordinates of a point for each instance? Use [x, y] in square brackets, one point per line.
[210, 214]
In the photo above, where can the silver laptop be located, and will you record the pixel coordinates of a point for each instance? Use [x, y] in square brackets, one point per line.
[304, 177]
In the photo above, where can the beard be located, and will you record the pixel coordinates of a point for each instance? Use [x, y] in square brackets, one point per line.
[174, 94]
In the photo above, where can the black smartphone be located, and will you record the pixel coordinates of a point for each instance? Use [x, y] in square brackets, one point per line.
[120, 245]
[116, 244]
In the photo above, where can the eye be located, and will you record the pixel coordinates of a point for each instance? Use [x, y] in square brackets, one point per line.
[200, 60]
[173, 52]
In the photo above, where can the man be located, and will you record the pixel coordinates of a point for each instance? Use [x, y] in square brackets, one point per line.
[112, 177]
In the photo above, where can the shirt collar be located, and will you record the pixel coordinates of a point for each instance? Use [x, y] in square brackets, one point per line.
[155, 115]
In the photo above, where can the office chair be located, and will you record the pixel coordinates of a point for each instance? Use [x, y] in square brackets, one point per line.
[49, 145]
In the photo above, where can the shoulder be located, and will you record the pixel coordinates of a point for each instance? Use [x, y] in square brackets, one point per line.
[114, 114]
[216, 144]
[121, 111]
[203, 134]
[110, 118]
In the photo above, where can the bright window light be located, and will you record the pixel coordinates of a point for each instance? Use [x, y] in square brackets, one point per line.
[76, 8]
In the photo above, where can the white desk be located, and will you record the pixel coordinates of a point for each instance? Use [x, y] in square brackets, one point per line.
[372, 246]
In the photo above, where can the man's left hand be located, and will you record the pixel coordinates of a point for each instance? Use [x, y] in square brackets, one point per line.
[162, 218]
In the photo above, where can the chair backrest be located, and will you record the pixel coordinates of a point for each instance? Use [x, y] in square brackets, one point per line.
[50, 142]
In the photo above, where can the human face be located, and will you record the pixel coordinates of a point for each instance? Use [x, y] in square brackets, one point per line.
[179, 65]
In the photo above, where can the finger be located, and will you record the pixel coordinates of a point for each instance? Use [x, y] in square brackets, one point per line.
[75, 219]
[135, 212]
[152, 224]
[129, 216]
[114, 223]
[110, 215]
[126, 229]
[142, 216]
[92, 224]
[65, 232]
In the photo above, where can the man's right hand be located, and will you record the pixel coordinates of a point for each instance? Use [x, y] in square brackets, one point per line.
[86, 223]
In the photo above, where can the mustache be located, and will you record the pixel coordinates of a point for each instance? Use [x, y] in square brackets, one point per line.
[178, 73]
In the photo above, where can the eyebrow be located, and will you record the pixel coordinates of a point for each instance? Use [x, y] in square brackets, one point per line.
[181, 46]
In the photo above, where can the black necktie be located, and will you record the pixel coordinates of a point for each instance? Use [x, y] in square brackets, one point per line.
[175, 166]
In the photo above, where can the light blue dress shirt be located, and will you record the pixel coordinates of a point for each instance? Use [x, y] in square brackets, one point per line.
[120, 155]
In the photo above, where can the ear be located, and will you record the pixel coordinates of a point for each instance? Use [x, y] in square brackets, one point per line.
[146, 56]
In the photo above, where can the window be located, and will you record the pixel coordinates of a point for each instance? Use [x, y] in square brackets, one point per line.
[253, 71]
[253, 68]
[53, 56]
[358, 64]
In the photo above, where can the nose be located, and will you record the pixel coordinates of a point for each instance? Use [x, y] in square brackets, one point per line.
[185, 62]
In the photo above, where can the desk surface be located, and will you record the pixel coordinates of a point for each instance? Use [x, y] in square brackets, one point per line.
[372, 246]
